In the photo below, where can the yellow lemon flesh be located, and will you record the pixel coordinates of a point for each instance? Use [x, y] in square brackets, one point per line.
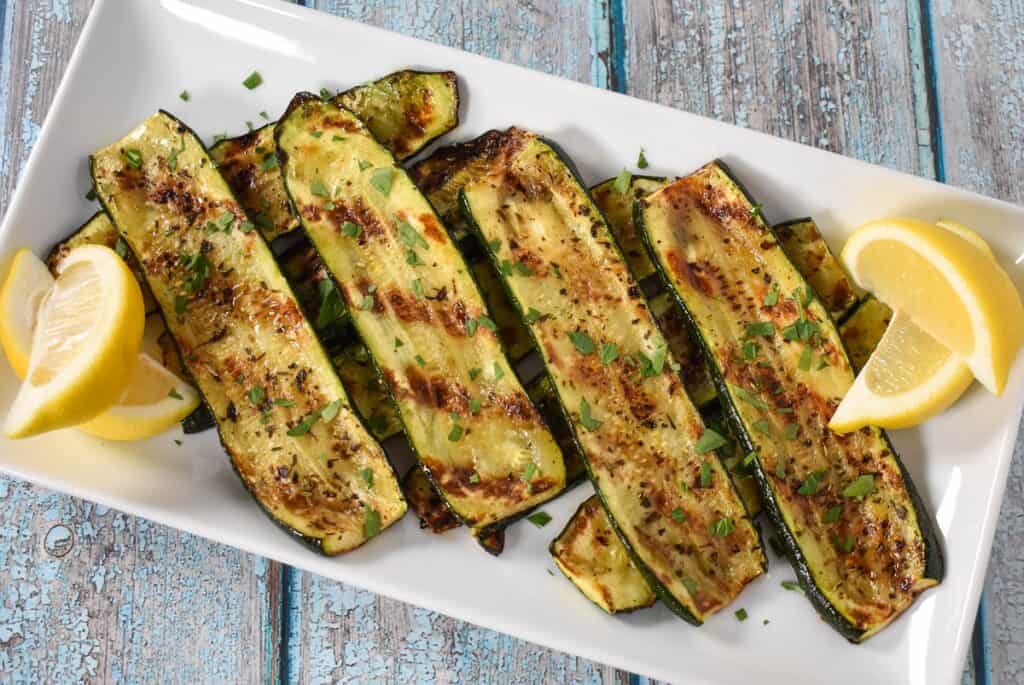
[909, 378]
[154, 401]
[87, 334]
[945, 280]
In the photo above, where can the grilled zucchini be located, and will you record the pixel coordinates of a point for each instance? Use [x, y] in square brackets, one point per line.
[590, 554]
[617, 207]
[644, 443]
[861, 543]
[415, 305]
[863, 329]
[405, 111]
[811, 256]
[282, 413]
[424, 499]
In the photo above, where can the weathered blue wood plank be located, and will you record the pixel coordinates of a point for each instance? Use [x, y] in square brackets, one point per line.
[978, 70]
[88, 594]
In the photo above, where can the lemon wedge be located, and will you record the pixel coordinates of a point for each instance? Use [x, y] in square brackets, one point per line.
[909, 378]
[87, 334]
[945, 280]
[27, 283]
[154, 401]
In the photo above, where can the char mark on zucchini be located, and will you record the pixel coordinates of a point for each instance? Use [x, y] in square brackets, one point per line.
[646, 449]
[420, 314]
[405, 110]
[282, 413]
[861, 543]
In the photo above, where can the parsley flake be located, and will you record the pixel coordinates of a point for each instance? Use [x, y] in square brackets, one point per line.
[539, 519]
[609, 352]
[586, 420]
[705, 475]
[351, 229]
[709, 440]
[641, 160]
[582, 342]
[381, 179]
[371, 523]
[622, 181]
[174, 394]
[253, 80]
[863, 486]
[810, 486]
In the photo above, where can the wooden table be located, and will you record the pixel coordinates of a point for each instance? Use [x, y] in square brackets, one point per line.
[931, 88]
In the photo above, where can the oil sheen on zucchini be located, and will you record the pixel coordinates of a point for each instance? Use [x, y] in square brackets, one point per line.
[405, 111]
[812, 257]
[415, 305]
[282, 413]
[590, 554]
[861, 543]
[645, 446]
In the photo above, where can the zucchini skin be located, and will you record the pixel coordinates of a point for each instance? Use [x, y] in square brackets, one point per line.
[864, 328]
[432, 375]
[517, 141]
[813, 258]
[930, 556]
[405, 110]
[332, 516]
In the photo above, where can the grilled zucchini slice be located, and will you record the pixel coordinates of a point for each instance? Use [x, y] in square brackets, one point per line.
[282, 413]
[863, 329]
[672, 502]
[98, 230]
[811, 256]
[415, 305]
[617, 207]
[405, 111]
[424, 499]
[590, 554]
[862, 544]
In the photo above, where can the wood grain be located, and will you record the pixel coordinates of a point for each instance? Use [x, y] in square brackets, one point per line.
[835, 75]
[979, 76]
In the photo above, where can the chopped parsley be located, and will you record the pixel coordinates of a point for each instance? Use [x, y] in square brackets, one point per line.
[705, 475]
[586, 420]
[367, 475]
[134, 158]
[583, 343]
[641, 161]
[741, 614]
[284, 403]
[91, 195]
[368, 302]
[539, 519]
[863, 486]
[762, 426]
[760, 328]
[475, 405]
[529, 471]
[253, 80]
[495, 244]
[269, 161]
[420, 360]
[330, 410]
[351, 229]
[499, 373]
[197, 269]
[756, 211]
[172, 159]
[833, 514]
[749, 458]
[805, 359]
[690, 584]
[609, 352]
[772, 297]
[790, 430]
[398, 343]
[174, 394]
[412, 258]
[532, 316]
[381, 179]
[410, 236]
[474, 478]
[455, 434]
[750, 349]
[473, 373]
[184, 96]
[302, 427]
[792, 586]
[417, 289]
[371, 523]
[331, 305]
[810, 486]
[622, 181]
[678, 515]
[748, 397]
[846, 544]
[256, 394]
[709, 440]
[722, 528]
[318, 188]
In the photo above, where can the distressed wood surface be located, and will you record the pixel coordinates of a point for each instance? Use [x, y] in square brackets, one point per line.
[88, 594]
[979, 75]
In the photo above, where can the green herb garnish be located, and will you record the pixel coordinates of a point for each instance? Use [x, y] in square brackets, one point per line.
[748, 397]
[539, 519]
[184, 96]
[173, 393]
[805, 359]
[709, 440]
[456, 433]
[331, 305]
[134, 158]
[772, 297]
[499, 373]
[474, 405]
[705, 475]
[420, 360]
[253, 80]
[741, 614]
[318, 188]
[722, 528]
[256, 394]
[381, 179]
[833, 514]
[792, 586]
[330, 410]
[621, 184]
[810, 486]
[352, 230]
[532, 316]
[760, 328]
[367, 475]
[417, 289]
[586, 419]
[473, 373]
[678, 515]
[371, 523]
[864, 485]
[583, 343]
[641, 161]
[609, 352]
[302, 427]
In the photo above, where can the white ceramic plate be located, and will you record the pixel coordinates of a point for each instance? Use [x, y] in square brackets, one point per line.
[959, 460]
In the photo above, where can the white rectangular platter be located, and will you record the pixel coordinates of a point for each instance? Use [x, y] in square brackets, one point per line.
[135, 57]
